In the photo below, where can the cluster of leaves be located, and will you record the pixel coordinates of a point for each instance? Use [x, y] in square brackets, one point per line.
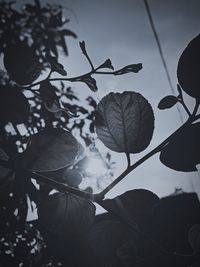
[124, 122]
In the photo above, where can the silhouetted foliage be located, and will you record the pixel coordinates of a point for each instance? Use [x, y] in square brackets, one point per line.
[139, 229]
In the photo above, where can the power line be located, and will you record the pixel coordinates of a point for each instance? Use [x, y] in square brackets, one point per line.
[161, 52]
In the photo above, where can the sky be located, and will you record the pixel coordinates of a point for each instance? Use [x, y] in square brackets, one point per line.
[120, 30]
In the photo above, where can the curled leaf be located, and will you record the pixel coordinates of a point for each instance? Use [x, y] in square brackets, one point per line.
[129, 68]
[66, 215]
[188, 68]
[49, 150]
[91, 82]
[82, 46]
[14, 106]
[167, 102]
[182, 153]
[125, 122]
[107, 64]
[55, 66]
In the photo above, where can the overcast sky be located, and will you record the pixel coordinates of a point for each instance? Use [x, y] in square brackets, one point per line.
[120, 30]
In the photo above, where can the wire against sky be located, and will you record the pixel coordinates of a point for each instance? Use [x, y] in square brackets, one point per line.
[147, 7]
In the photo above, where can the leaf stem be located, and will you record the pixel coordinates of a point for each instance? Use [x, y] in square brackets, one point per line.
[70, 79]
[128, 160]
[185, 107]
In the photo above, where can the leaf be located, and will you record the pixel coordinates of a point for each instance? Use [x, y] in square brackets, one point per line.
[49, 150]
[51, 100]
[107, 240]
[66, 215]
[129, 68]
[67, 32]
[188, 68]
[14, 106]
[106, 64]
[91, 82]
[125, 122]
[194, 238]
[137, 205]
[182, 153]
[55, 66]
[21, 63]
[72, 177]
[167, 102]
[82, 46]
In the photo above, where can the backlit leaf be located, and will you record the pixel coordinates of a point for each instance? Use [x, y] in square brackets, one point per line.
[125, 122]
[188, 68]
[183, 151]
[66, 215]
[49, 150]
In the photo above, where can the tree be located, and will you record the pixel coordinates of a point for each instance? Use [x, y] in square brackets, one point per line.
[51, 155]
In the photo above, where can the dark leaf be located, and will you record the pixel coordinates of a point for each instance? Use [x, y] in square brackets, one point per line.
[188, 68]
[92, 127]
[139, 203]
[49, 150]
[82, 46]
[64, 45]
[125, 122]
[49, 97]
[107, 239]
[72, 177]
[182, 153]
[129, 68]
[194, 238]
[67, 32]
[66, 215]
[14, 106]
[22, 64]
[51, 100]
[106, 64]
[92, 102]
[55, 66]
[167, 102]
[91, 82]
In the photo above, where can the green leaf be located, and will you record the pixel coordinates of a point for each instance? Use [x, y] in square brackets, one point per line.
[182, 153]
[66, 215]
[188, 68]
[194, 238]
[49, 150]
[167, 102]
[14, 106]
[125, 122]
